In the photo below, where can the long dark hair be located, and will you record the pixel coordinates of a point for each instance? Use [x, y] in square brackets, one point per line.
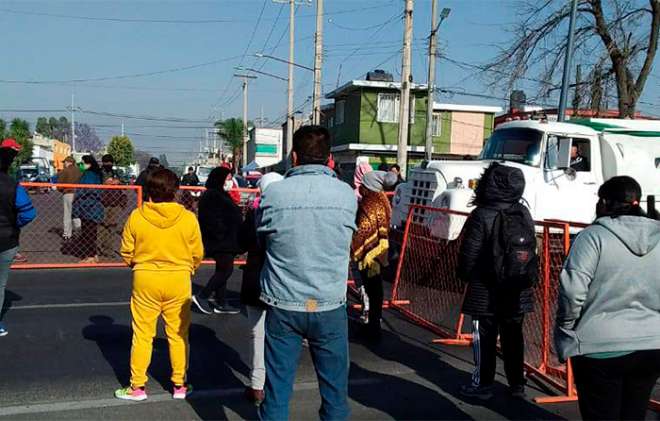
[94, 166]
[619, 196]
[217, 178]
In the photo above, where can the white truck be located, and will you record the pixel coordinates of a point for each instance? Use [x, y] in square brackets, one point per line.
[542, 150]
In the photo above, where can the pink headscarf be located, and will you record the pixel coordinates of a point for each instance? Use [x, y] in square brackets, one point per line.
[361, 169]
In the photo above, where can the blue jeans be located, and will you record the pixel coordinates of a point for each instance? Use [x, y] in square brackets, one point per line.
[327, 333]
[6, 258]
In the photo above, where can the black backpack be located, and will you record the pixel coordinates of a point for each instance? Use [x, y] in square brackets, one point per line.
[513, 242]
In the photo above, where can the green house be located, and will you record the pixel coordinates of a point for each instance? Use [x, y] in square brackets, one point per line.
[363, 121]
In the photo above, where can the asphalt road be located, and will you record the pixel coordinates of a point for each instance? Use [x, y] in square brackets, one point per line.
[69, 345]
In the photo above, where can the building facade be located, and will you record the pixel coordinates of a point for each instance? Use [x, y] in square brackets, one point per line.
[363, 121]
[264, 147]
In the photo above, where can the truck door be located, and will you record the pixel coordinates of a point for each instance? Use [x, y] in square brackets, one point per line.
[571, 182]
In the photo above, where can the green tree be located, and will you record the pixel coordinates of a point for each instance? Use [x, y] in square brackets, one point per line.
[19, 130]
[43, 127]
[231, 130]
[121, 148]
[3, 129]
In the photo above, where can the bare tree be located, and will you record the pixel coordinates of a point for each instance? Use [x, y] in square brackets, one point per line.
[615, 39]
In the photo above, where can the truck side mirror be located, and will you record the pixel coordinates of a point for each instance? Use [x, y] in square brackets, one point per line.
[564, 159]
[558, 155]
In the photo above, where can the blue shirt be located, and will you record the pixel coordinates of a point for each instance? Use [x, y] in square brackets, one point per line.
[306, 224]
[25, 212]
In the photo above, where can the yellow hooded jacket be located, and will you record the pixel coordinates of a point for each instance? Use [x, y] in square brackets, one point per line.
[162, 237]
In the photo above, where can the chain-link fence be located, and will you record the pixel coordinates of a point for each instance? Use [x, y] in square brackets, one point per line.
[80, 225]
[77, 225]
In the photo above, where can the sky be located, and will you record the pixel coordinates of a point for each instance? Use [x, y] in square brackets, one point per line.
[171, 63]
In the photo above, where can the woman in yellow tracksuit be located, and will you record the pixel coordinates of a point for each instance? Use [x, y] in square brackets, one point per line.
[163, 244]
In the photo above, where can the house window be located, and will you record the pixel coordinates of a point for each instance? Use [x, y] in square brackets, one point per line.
[388, 108]
[436, 125]
[339, 113]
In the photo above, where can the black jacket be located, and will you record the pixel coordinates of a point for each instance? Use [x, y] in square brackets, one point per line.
[499, 188]
[190, 180]
[142, 181]
[220, 221]
[251, 287]
[9, 231]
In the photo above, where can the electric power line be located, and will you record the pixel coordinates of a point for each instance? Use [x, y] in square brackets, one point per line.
[128, 76]
[118, 20]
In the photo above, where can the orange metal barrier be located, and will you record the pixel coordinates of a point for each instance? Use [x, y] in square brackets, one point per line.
[426, 274]
[426, 278]
[42, 242]
[189, 196]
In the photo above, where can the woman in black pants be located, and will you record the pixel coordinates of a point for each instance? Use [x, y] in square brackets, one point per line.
[220, 220]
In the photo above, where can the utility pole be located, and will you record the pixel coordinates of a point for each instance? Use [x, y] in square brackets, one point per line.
[568, 62]
[73, 125]
[290, 117]
[433, 46]
[404, 102]
[122, 128]
[245, 77]
[289, 89]
[318, 62]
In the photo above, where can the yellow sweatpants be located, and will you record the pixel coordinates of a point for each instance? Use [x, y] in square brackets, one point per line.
[157, 293]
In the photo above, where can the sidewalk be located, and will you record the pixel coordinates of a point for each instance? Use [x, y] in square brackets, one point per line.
[70, 339]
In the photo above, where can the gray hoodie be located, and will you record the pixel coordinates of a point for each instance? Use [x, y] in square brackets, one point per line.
[609, 299]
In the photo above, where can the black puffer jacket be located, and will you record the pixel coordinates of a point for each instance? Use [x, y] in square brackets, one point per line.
[500, 187]
[220, 221]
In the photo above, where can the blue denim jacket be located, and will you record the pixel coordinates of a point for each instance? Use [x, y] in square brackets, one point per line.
[306, 224]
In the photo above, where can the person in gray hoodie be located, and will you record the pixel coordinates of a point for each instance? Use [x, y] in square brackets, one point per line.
[608, 318]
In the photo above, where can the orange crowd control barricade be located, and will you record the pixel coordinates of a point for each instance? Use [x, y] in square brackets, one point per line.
[426, 278]
[105, 210]
[43, 241]
[189, 197]
[426, 274]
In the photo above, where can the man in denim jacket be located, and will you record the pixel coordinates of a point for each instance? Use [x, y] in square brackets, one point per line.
[306, 224]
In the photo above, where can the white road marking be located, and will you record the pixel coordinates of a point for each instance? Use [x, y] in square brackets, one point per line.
[70, 305]
[80, 305]
[160, 397]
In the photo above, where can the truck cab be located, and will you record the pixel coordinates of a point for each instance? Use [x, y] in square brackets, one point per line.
[564, 164]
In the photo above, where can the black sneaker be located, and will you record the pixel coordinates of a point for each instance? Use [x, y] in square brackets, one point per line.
[202, 305]
[483, 393]
[518, 391]
[225, 309]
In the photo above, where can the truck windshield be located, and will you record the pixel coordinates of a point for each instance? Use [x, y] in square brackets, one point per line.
[516, 144]
[204, 171]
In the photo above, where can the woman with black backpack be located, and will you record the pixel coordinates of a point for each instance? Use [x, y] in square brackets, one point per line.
[498, 261]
